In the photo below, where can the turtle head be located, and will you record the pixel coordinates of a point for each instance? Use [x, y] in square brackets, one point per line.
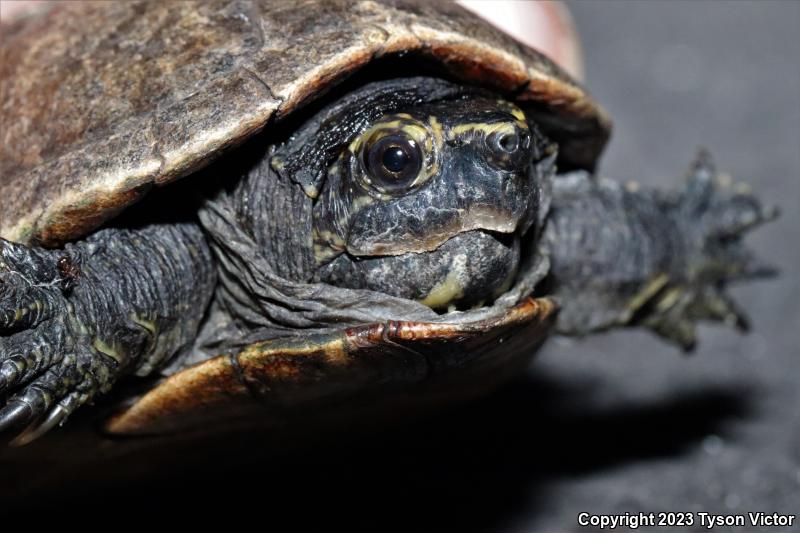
[430, 201]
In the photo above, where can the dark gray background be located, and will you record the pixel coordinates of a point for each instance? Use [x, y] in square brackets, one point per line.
[612, 424]
[675, 76]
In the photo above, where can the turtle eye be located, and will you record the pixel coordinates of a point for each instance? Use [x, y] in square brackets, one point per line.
[393, 162]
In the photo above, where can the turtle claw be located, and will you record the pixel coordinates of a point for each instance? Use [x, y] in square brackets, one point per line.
[10, 371]
[717, 306]
[719, 208]
[15, 414]
[678, 309]
[29, 405]
[671, 317]
[56, 417]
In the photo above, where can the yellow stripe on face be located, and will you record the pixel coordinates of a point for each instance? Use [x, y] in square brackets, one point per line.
[436, 128]
[489, 128]
[518, 114]
[486, 128]
[405, 123]
[512, 109]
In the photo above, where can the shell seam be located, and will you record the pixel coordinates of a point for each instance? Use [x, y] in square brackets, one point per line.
[238, 371]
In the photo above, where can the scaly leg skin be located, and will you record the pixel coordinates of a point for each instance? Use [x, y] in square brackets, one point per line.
[74, 320]
[623, 256]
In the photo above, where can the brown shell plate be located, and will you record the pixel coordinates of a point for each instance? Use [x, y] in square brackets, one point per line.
[101, 101]
[376, 368]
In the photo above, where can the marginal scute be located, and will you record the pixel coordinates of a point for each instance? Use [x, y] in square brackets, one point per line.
[352, 362]
[101, 101]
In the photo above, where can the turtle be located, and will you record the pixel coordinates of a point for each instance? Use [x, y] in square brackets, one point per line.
[235, 212]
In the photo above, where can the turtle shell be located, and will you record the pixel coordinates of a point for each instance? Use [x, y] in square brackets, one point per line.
[103, 101]
[362, 372]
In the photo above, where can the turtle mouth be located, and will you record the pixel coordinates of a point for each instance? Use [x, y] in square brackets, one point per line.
[486, 268]
[468, 269]
[485, 218]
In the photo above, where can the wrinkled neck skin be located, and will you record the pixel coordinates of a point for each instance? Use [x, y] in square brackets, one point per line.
[307, 242]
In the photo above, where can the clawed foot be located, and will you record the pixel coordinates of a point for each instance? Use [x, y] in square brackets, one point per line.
[47, 369]
[714, 214]
[627, 256]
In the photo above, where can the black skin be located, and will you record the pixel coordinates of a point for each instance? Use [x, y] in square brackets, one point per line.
[120, 302]
[359, 211]
[623, 256]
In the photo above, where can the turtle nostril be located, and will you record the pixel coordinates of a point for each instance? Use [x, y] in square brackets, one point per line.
[507, 149]
[508, 142]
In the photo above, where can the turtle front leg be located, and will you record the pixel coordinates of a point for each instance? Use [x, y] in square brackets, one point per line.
[624, 256]
[72, 321]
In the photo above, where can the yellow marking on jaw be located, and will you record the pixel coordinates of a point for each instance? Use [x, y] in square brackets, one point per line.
[444, 292]
[327, 244]
[322, 253]
[328, 237]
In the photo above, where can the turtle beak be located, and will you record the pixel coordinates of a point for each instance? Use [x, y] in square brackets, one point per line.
[482, 217]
